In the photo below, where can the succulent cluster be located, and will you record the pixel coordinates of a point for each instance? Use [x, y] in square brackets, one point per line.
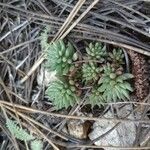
[103, 71]
[62, 94]
[114, 87]
[60, 57]
[23, 135]
[90, 71]
[116, 57]
[96, 52]
[112, 82]
[44, 39]
[96, 97]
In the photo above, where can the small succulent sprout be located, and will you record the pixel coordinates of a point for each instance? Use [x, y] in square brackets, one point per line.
[44, 38]
[21, 134]
[18, 132]
[71, 82]
[96, 97]
[62, 94]
[60, 57]
[112, 75]
[96, 52]
[117, 57]
[36, 145]
[119, 71]
[108, 69]
[114, 87]
[91, 72]
[75, 56]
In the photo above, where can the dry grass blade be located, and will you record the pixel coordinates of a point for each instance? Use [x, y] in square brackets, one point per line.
[34, 67]
[10, 63]
[79, 18]
[126, 46]
[16, 28]
[18, 46]
[69, 19]
[31, 110]
[111, 147]
[129, 8]
[10, 99]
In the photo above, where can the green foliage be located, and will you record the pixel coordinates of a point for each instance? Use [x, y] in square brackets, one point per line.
[60, 57]
[23, 135]
[110, 82]
[44, 39]
[114, 87]
[96, 52]
[116, 57]
[91, 72]
[62, 94]
[36, 145]
[96, 97]
[108, 69]
[18, 132]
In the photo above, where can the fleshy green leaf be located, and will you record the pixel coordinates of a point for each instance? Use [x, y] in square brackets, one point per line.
[36, 145]
[61, 94]
[59, 57]
[18, 132]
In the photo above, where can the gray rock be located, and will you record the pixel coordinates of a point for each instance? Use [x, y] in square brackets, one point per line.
[123, 135]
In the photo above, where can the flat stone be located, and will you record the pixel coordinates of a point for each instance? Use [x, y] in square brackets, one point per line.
[123, 135]
[45, 77]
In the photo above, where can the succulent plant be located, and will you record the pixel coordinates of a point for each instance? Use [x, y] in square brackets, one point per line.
[44, 38]
[116, 57]
[62, 94]
[114, 87]
[96, 52]
[96, 97]
[21, 134]
[18, 132]
[90, 71]
[112, 81]
[60, 57]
